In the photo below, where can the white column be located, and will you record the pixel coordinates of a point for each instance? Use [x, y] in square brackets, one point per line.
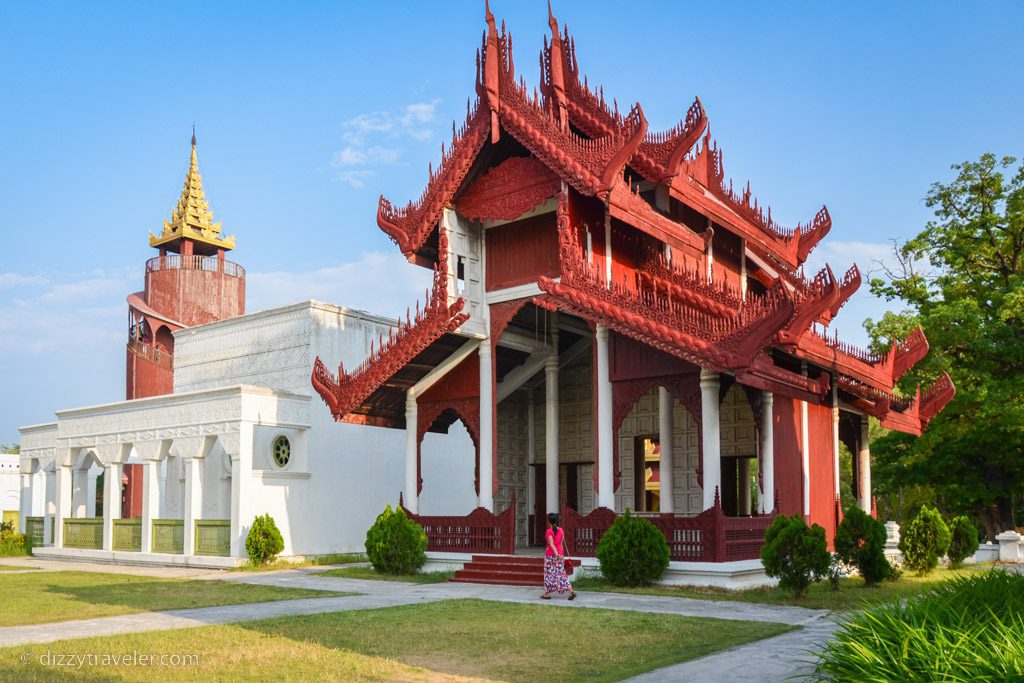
[605, 434]
[63, 506]
[665, 443]
[743, 499]
[49, 506]
[835, 438]
[111, 502]
[767, 453]
[25, 505]
[486, 499]
[805, 451]
[193, 502]
[241, 473]
[865, 466]
[79, 493]
[711, 439]
[531, 456]
[412, 497]
[150, 501]
[551, 434]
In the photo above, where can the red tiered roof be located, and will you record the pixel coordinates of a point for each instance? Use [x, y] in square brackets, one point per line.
[576, 140]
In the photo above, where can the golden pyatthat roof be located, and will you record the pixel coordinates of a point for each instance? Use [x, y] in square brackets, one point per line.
[192, 218]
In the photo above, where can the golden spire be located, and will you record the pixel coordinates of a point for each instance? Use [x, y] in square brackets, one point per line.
[192, 218]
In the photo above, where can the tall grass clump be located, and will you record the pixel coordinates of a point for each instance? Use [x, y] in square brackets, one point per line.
[970, 628]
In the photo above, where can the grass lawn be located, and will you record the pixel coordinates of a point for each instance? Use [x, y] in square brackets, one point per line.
[451, 640]
[371, 573]
[317, 561]
[60, 596]
[11, 567]
[851, 595]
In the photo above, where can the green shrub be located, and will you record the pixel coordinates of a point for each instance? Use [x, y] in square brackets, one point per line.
[12, 543]
[264, 541]
[396, 544]
[795, 554]
[924, 541]
[970, 628]
[633, 552]
[963, 540]
[860, 541]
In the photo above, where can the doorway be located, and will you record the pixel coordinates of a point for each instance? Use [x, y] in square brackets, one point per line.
[646, 474]
[568, 495]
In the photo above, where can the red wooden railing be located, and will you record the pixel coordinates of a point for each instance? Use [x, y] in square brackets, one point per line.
[710, 536]
[481, 531]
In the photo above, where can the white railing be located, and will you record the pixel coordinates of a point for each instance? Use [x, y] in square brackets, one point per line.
[193, 262]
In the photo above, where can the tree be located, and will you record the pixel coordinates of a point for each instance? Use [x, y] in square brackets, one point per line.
[10, 448]
[962, 280]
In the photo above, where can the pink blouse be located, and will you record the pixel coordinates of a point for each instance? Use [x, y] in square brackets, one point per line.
[558, 536]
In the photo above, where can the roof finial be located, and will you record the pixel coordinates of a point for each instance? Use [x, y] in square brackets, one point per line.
[193, 133]
[552, 22]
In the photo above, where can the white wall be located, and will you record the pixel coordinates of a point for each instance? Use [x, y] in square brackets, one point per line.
[447, 462]
[10, 482]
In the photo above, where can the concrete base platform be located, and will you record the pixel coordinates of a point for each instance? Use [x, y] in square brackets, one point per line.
[738, 575]
[124, 557]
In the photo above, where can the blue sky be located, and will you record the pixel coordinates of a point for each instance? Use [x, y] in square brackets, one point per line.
[306, 112]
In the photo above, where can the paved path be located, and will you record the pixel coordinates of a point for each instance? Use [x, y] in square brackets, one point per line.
[775, 659]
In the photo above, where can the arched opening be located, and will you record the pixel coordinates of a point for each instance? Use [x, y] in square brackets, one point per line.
[165, 339]
[448, 467]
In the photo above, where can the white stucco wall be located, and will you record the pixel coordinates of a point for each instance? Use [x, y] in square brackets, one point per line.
[10, 482]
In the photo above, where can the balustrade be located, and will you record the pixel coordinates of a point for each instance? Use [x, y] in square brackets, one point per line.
[86, 532]
[481, 531]
[195, 262]
[34, 530]
[127, 534]
[169, 536]
[213, 537]
[710, 536]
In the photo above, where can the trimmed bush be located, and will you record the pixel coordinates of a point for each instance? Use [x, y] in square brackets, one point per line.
[12, 543]
[795, 554]
[924, 541]
[969, 628]
[860, 541]
[633, 552]
[264, 541]
[963, 540]
[396, 544]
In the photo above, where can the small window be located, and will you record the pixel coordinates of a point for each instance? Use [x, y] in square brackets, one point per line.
[282, 451]
[460, 274]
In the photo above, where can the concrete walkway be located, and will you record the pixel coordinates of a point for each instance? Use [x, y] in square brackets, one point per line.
[775, 659]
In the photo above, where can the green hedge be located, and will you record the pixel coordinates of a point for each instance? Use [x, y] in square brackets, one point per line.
[795, 554]
[264, 541]
[12, 543]
[860, 541]
[968, 629]
[924, 541]
[633, 552]
[396, 544]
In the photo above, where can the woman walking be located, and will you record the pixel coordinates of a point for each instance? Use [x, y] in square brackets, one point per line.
[555, 579]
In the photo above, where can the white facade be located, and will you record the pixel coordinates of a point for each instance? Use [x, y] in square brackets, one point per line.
[208, 448]
[10, 483]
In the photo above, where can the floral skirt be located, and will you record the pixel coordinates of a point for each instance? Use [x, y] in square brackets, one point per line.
[555, 579]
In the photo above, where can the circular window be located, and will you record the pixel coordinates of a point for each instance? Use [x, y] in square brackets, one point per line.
[282, 451]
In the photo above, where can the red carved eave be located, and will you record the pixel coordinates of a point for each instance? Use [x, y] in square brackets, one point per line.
[344, 392]
[922, 409]
[509, 190]
[410, 226]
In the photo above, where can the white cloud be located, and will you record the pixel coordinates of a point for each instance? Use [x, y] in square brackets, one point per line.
[12, 280]
[841, 255]
[382, 283]
[374, 140]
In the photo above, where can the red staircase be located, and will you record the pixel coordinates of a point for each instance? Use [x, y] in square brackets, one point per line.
[506, 570]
